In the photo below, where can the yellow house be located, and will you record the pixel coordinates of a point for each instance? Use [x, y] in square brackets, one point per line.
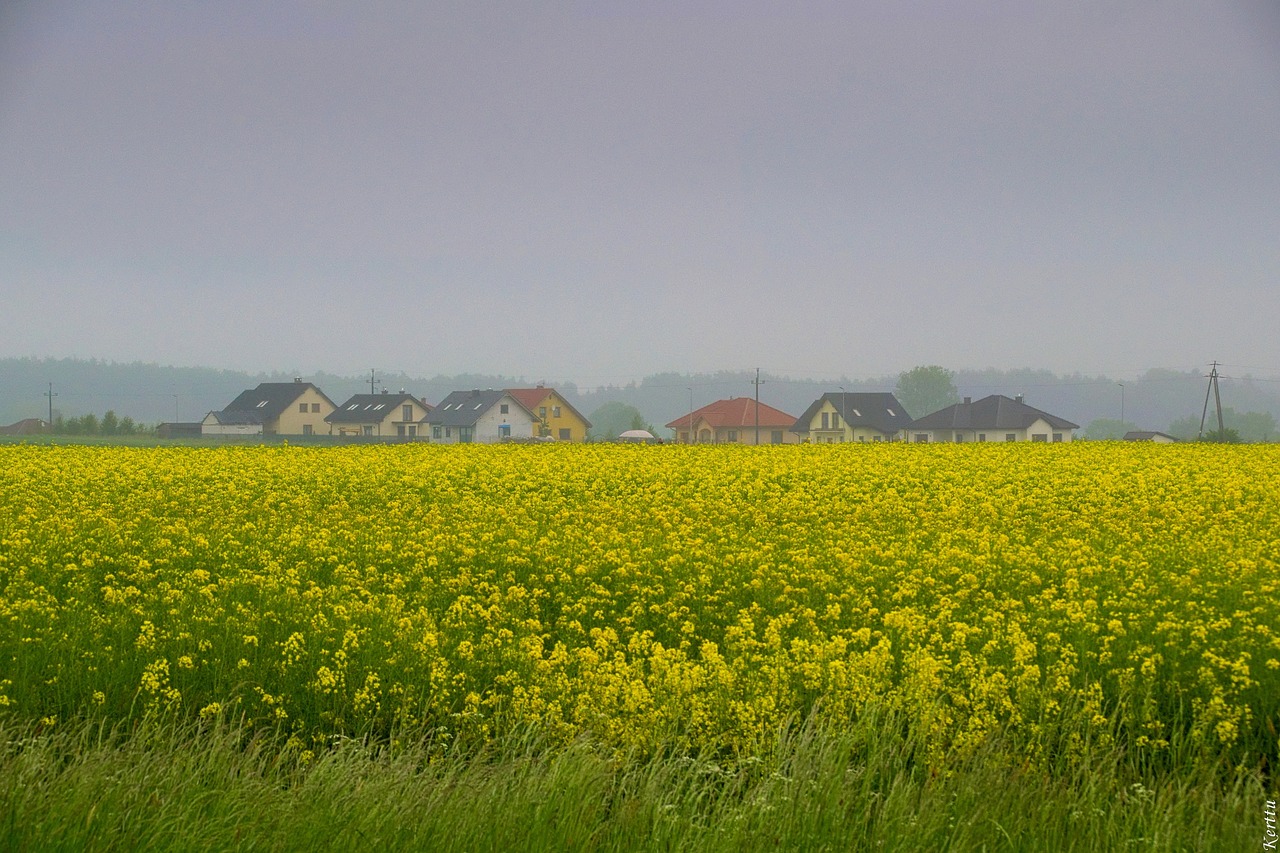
[384, 415]
[273, 408]
[864, 416]
[556, 418]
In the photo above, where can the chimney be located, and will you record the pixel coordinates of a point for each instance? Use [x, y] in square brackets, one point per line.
[1018, 398]
[475, 392]
[297, 380]
[968, 400]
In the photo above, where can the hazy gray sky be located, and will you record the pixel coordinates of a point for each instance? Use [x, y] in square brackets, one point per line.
[600, 190]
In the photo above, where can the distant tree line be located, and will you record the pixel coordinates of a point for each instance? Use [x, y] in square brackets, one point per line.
[91, 424]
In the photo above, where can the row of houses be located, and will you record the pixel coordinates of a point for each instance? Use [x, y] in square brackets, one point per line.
[870, 417]
[300, 408]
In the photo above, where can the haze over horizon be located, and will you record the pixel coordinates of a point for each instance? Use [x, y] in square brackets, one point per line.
[597, 191]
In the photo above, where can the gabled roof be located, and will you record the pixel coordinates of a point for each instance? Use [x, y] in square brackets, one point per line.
[464, 408]
[994, 412]
[735, 413]
[531, 399]
[230, 418]
[1146, 435]
[271, 399]
[878, 410]
[371, 408]
[26, 426]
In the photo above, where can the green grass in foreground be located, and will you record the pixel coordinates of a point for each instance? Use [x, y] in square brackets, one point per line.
[179, 787]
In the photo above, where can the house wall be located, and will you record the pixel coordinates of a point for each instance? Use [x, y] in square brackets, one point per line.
[747, 434]
[567, 420]
[210, 426]
[993, 434]
[522, 424]
[293, 422]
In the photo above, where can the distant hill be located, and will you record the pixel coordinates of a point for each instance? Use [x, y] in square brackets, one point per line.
[152, 393]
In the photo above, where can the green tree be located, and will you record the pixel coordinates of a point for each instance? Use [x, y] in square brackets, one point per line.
[127, 426]
[110, 424]
[925, 389]
[1245, 426]
[612, 419]
[1107, 429]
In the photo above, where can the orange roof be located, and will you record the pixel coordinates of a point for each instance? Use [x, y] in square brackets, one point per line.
[736, 412]
[530, 397]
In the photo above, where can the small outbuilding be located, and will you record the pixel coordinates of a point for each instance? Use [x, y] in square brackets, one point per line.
[1149, 435]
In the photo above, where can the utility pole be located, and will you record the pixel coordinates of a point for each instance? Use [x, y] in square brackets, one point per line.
[1121, 384]
[372, 381]
[1217, 399]
[758, 382]
[691, 438]
[50, 395]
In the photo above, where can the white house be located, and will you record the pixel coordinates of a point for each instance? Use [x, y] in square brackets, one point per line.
[484, 417]
[994, 418]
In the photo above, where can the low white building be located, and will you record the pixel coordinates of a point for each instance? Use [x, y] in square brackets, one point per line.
[993, 418]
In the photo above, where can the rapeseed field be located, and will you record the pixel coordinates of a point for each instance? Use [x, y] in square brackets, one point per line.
[1055, 599]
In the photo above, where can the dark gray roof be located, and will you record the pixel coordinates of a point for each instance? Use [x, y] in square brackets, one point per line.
[994, 412]
[370, 408]
[271, 399]
[464, 408]
[1146, 435]
[230, 418]
[878, 410]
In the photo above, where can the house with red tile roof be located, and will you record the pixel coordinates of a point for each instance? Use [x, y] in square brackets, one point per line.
[735, 421]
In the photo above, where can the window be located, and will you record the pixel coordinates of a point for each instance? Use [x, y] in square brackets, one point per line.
[465, 434]
[826, 422]
[504, 430]
[368, 429]
[776, 436]
[876, 438]
[302, 407]
[542, 412]
[406, 413]
[733, 435]
[857, 414]
[1039, 436]
[435, 432]
[353, 407]
[892, 413]
[448, 432]
[922, 438]
[959, 438]
[555, 411]
[1057, 437]
[379, 407]
[982, 436]
[306, 429]
[564, 433]
[400, 430]
[1010, 436]
[315, 407]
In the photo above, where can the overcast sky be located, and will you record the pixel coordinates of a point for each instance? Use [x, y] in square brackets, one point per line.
[600, 190]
